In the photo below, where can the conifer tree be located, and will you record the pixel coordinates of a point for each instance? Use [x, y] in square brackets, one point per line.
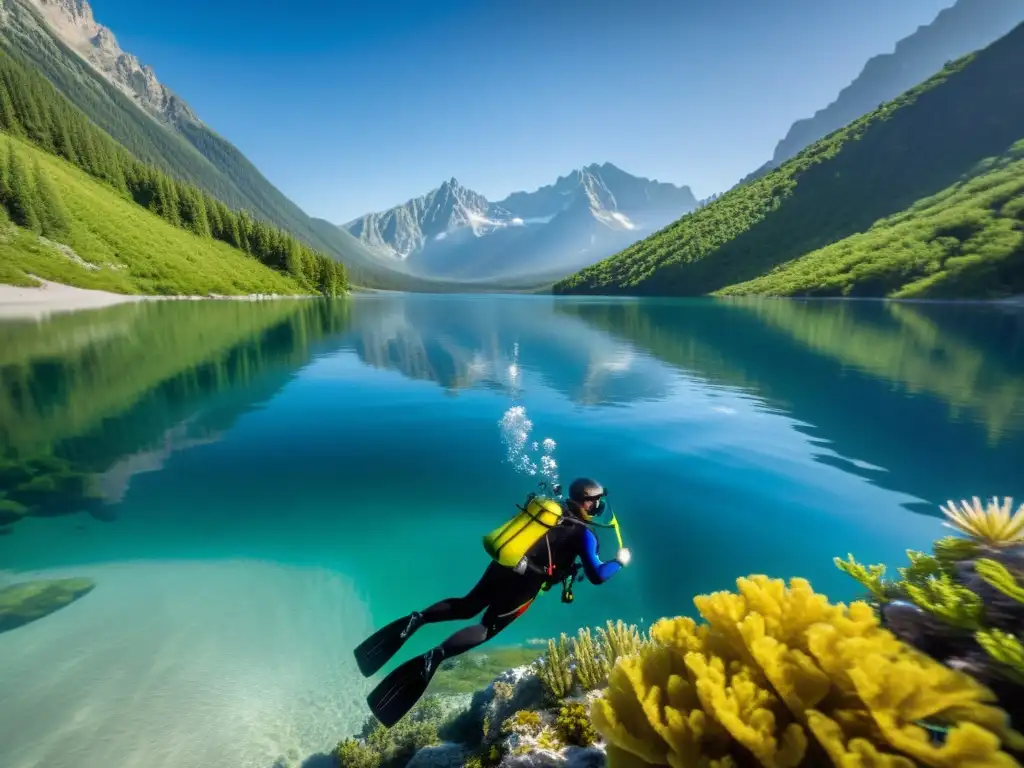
[22, 203]
[54, 219]
[8, 118]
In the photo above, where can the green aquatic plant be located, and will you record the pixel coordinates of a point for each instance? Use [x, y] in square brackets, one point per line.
[592, 665]
[556, 673]
[525, 722]
[393, 747]
[620, 639]
[31, 600]
[952, 549]
[954, 603]
[997, 575]
[871, 577]
[963, 604]
[352, 753]
[1006, 650]
[922, 568]
[573, 724]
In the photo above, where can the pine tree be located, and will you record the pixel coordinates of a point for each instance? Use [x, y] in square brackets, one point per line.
[64, 145]
[294, 261]
[5, 174]
[53, 216]
[8, 117]
[193, 213]
[213, 216]
[22, 204]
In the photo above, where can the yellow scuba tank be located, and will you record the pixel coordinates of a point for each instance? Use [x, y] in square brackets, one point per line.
[509, 543]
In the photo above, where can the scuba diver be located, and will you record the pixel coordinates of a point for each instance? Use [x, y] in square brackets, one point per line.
[532, 552]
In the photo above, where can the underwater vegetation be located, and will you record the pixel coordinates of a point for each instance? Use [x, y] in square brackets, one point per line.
[583, 663]
[25, 602]
[963, 603]
[928, 671]
[778, 676]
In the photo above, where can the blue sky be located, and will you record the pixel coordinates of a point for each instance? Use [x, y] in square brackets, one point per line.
[354, 108]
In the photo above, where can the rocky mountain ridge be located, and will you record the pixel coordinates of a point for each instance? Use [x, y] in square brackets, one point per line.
[74, 23]
[455, 232]
[965, 26]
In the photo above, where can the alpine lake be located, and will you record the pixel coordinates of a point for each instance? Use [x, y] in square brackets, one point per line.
[233, 495]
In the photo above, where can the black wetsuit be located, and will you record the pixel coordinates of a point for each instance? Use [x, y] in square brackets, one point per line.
[504, 595]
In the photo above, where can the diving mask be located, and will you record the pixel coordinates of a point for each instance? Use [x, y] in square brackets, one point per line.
[600, 504]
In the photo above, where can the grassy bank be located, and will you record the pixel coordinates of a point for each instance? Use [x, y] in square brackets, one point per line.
[115, 245]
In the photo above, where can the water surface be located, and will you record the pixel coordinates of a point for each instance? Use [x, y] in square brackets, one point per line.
[266, 483]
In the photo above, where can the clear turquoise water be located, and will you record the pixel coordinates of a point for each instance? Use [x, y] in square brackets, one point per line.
[360, 442]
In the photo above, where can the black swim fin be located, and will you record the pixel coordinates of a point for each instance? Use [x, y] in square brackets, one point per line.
[399, 691]
[376, 650]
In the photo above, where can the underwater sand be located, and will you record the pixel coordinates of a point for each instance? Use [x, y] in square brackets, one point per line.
[240, 664]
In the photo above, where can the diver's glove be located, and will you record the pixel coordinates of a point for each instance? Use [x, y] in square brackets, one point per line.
[623, 556]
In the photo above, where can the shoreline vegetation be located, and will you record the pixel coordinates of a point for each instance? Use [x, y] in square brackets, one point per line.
[925, 669]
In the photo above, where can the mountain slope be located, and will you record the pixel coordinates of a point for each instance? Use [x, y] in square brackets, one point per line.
[112, 244]
[82, 60]
[906, 150]
[455, 233]
[965, 242]
[968, 25]
[33, 110]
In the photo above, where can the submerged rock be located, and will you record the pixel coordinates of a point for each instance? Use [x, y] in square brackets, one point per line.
[570, 757]
[447, 755]
[23, 603]
[512, 691]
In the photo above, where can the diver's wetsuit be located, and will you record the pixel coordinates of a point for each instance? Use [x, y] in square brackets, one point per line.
[505, 595]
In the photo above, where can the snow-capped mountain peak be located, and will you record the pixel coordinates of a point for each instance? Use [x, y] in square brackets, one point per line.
[582, 217]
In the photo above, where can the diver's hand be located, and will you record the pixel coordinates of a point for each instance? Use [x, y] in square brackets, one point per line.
[623, 556]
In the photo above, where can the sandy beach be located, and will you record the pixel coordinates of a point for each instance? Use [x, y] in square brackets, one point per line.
[50, 298]
[245, 664]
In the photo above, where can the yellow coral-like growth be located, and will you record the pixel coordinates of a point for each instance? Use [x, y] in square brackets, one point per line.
[556, 673]
[591, 667]
[781, 677]
[993, 524]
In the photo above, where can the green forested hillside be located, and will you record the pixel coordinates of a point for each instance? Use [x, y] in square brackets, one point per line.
[30, 108]
[928, 140]
[965, 242]
[78, 231]
[188, 151]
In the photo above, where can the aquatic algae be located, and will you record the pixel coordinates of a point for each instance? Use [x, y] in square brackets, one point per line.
[583, 662]
[573, 724]
[993, 524]
[592, 667]
[778, 676]
[963, 603]
[556, 673]
[28, 601]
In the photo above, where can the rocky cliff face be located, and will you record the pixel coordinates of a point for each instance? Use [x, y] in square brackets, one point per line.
[406, 229]
[74, 24]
